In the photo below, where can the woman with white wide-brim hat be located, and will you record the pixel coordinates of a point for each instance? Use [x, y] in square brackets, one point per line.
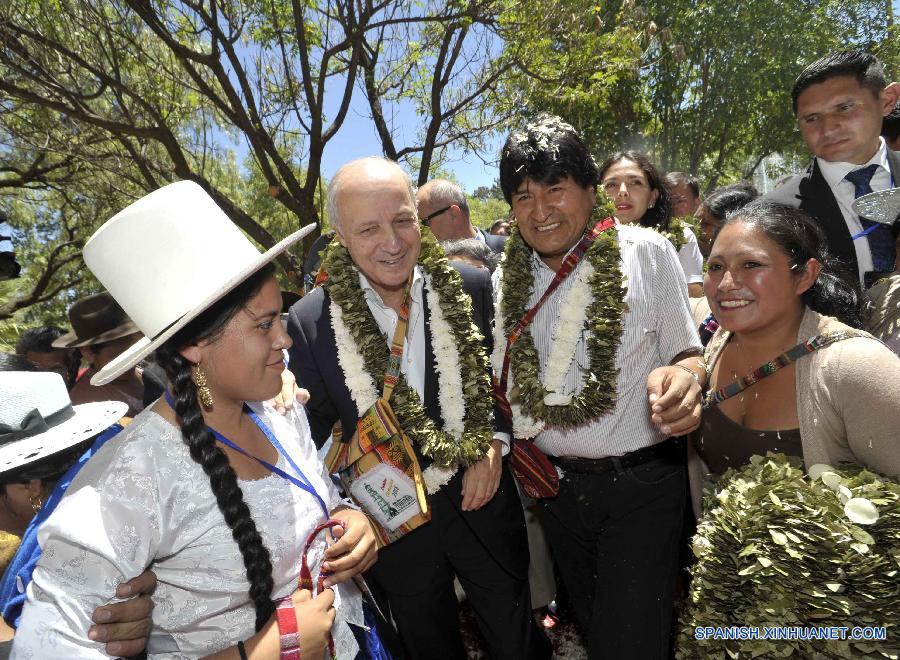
[44, 440]
[217, 494]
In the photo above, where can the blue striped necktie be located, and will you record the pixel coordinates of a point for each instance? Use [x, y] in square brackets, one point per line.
[881, 243]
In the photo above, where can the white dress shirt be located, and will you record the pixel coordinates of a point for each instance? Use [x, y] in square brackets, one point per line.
[412, 364]
[656, 328]
[691, 259]
[844, 193]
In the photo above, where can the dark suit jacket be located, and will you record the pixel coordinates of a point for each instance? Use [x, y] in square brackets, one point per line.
[499, 525]
[496, 243]
[813, 194]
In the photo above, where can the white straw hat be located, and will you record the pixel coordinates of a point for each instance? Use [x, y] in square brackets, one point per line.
[37, 418]
[166, 259]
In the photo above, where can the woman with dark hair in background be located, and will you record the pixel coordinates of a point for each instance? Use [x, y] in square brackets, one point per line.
[774, 290]
[720, 202]
[636, 188]
[218, 495]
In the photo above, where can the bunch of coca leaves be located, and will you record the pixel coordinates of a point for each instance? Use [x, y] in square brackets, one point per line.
[776, 547]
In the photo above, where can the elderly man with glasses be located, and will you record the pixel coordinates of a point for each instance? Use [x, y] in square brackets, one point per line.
[443, 208]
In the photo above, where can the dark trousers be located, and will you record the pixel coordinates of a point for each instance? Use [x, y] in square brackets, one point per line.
[427, 616]
[614, 536]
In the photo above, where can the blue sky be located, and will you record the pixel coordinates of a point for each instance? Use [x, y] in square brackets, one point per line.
[357, 138]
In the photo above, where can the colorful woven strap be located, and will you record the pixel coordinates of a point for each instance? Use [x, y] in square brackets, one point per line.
[287, 629]
[392, 375]
[568, 265]
[306, 579]
[765, 370]
[284, 608]
[707, 329]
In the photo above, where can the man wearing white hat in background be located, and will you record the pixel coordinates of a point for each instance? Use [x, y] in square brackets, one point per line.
[44, 442]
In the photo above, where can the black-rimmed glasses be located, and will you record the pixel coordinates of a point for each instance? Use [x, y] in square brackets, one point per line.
[431, 216]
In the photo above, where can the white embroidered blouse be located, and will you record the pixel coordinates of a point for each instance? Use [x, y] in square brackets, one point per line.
[143, 502]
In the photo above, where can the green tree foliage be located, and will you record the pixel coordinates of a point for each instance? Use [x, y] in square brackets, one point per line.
[446, 61]
[725, 105]
[166, 82]
[51, 202]
[139, 94]
[700, 86]
[104, 100]
[580, 61]
[483, 212]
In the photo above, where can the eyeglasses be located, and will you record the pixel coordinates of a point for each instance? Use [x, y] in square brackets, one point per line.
[431, 216]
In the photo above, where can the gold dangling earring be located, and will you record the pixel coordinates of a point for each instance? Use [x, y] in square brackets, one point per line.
[36, 503]
[203, 393]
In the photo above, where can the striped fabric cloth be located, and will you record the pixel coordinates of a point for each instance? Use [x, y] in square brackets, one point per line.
[657, 327]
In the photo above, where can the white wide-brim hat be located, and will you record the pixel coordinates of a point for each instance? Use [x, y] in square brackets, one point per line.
[166, 259]
[37, 418]
[882, 206]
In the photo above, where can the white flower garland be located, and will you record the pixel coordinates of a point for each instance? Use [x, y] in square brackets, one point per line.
[450, 390]
[359, 382]
[450, 387]
[446, 361]
[566, 335]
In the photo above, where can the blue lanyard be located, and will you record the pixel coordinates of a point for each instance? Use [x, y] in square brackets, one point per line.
[876, 225]
[866, 231]
[300, 481]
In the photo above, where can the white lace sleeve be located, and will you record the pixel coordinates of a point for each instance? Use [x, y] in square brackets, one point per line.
[105, 530]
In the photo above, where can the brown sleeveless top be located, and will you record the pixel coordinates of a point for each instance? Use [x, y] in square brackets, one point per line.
[723, 443]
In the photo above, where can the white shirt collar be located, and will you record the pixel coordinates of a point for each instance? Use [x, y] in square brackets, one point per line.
[834, 172]
[372, 296]
[537, 262]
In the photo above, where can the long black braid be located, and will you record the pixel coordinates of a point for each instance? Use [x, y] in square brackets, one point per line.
[202, 443]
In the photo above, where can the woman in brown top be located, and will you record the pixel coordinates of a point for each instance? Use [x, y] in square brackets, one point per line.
[772, 286]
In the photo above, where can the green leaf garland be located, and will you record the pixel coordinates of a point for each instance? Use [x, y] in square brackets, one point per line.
[675, 232]
[445, 450]
[604, 319]
[777, 547]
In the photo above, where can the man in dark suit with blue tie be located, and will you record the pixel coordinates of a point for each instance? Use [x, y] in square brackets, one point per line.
[477, 530]
[840, 102]
[443, 209]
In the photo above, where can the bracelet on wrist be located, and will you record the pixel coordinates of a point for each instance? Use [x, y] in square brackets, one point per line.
[693, 373]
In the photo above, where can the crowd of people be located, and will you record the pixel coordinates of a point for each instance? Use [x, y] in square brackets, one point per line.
[233, 474]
